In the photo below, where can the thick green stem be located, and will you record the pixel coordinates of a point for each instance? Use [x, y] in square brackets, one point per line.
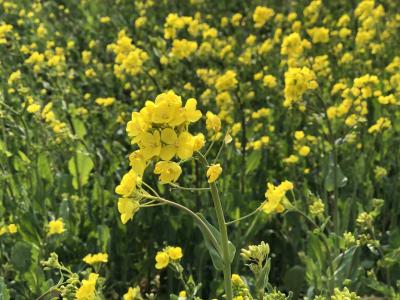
[224, 235]
[224, 240]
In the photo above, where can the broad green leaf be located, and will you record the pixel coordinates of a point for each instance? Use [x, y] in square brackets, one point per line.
[253, 161]
[28, 228]
[341, 180]
[294, 280]
[21, 256]
[79, 128]
[215, 255]
[44, 167]
[80, 166]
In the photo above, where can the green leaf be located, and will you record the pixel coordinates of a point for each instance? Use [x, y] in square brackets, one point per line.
[44, 168]
[253, 161]
[341, 180]
[80, 166]
[4, 292]
[24, 158]
[216, 257]
[294, 280]
[29, 228]
[79, 128]
[104, 237]
[3, 149]
[21, 256]
[344, 264]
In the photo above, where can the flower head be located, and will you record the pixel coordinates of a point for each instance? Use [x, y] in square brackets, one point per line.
[169, 171]
[162, 260]
[56, 227]
[213, 172]
[275, 195]
[92, 259]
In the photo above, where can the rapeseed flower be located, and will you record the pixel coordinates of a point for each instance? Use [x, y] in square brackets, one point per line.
[56, 227]
[213, 172]
[275, 195]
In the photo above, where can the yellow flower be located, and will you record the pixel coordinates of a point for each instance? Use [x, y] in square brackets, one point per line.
[174, 253]
[269, 81]
[319, 34]
[14, 76]
[297, 82]
[182, 295]
[169, 171]
[236, 279]
[139, 22]
[183, 48]
[32, 108]
[262, 15]
[213, 172]
[199, 142]
[213, 122]
[87, 291]
[132, 293]
[266, 47]
[128, 184]
[56, 227]
[292, 159]
[12, 228]
[275, 195]
[92, 259]
[127, 207]
[105, 20]
[167, 106]
[304, 150]
[236, 18]
[226, 81]
[105, 101]
[299, 135]
[181, 146]
[381, 124]
[162, 260]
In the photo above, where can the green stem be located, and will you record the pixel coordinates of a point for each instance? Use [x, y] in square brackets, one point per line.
[224, 240]
[224, 235]
[175, 186]
[244, 217]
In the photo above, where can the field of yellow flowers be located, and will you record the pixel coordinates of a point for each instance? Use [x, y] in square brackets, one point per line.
[199, 149]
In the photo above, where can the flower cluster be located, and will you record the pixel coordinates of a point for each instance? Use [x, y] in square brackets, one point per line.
[183, 48]
[160, 130]
[168, 255]
[56, 227]
[10, 229]
[87, 291]
[129, 59]
[275, 195]
[92, 259]
[297, 82]
[262, 15]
